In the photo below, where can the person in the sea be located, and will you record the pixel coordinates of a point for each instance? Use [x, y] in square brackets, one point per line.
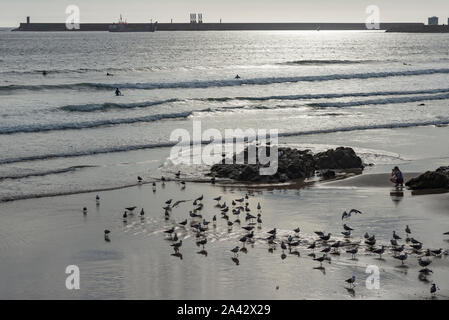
[109, 74]
[237, 77]
[396, 177]
[44, 73]
[117, 92]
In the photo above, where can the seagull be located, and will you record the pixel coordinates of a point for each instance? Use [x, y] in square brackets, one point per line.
[347, 228]
[273, 232]
[97, 198]
[395, 236]
[353, 252]
[235, 251]
[321, 259]
[178, 174]
[142, 212]
[433, 289]
[259, 206]
[131, 209]
[163, 179]
[199, 198]
[248, 228]
[351, 281]
[325, 238]
[283, 246]
[426, 271]
[139, 179]
[417, 246]
[399, 249]
[312, 246]
[424, 263]
[217, 199]
[319, 233]
[170, 231]
[380, 251]
[297, 230]
[125, 215]
[177, 245]
[414, 241]
[347, 234]
[345, 215]
[401, 257]
[201, 242]
[393, 242]
[407, 230]
[84, 210]
[436, 252]
[355, 211]
[106, 235]
[183, 223]
[446, 233]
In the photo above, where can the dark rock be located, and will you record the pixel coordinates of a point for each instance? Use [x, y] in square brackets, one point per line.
[438, 179]
[328, 174]
[340, 158]
[292, 164]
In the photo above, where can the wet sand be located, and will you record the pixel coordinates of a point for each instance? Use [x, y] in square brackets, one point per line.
[41, 237]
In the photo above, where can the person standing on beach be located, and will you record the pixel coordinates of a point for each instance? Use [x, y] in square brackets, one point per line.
[397, 177]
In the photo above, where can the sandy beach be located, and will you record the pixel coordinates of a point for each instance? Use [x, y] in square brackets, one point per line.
[41, 237]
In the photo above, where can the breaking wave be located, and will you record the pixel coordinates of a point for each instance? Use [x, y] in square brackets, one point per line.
[126, 148]
[222, 83]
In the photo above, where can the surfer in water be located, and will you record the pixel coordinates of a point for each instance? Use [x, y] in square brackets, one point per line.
[396, 177]
[109, 74]
[44, 73]
[237, 77]
[118, 92]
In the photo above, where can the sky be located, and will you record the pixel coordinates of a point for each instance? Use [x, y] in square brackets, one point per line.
[12, 12]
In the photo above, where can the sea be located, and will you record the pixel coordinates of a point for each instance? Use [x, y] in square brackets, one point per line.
[67, 132]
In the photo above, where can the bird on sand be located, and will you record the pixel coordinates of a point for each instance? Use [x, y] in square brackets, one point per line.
[380, 251]
[351, 281]
[106, 235]
[407, 230]
[131, 209]
[436, 252]
[395, 236]
[84, 210]
[142, 212]
[235, 251]
[347, 228]
[424, 263]
[217, 199]
[353, 251]
[176, 246]
[97, 198]
[325, 238]
[139, 179]
[433, 289]
[321, 259]
[401, 257]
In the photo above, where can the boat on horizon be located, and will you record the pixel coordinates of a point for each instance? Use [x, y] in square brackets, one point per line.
[123, 26]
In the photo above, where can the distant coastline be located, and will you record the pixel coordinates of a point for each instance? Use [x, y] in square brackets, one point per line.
[388, 27]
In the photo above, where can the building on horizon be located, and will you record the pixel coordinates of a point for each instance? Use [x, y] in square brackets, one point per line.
[433, 21]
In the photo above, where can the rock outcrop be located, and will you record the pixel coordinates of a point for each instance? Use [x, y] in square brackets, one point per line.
[438, 179]
[292, 164]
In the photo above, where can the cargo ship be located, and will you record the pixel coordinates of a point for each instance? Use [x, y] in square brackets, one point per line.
[123, 26]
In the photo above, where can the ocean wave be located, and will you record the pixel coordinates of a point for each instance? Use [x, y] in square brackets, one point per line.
[380, 101]
[90, 124]
[328, 95]
[42, 173]
[326, 62]
[222, 83]
[395, 125]
[110, 105]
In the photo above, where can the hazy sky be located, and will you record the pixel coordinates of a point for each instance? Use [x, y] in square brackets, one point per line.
[14, 11]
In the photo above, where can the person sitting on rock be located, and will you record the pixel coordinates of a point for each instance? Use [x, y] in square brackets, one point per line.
[397, 177]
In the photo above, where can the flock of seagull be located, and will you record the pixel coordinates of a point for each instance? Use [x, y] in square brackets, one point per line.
[239, 215]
